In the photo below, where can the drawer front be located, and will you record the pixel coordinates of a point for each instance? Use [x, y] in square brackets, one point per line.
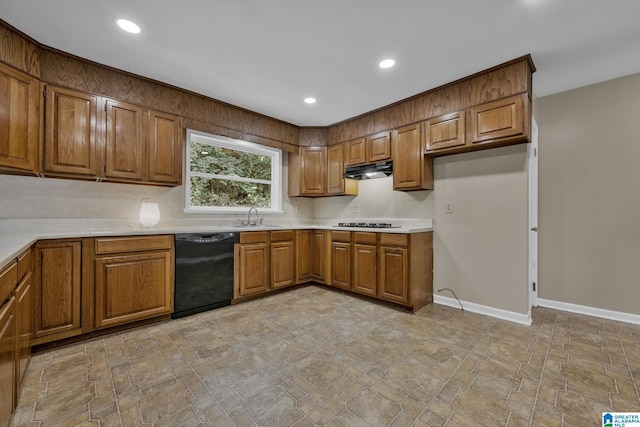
[341, 236]
[24, 263]
[110, 245]
[254, 237]
[388, 239]
[281, 235]
[8, 281]
[365, 237]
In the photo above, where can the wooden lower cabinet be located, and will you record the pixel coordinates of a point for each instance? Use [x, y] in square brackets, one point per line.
[252, 268]
[131, 287]
[24, 319]
[394, 274]
[7, 361]
[283, 259]
[318, 256]
[364, 269]
[57, 295]
[304, 255]
[341, 264]
[405, 269]
[251, 264]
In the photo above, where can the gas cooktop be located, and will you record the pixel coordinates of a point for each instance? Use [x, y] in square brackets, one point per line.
[367, 225]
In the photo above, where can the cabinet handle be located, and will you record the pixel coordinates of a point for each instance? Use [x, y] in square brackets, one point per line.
[534, 228]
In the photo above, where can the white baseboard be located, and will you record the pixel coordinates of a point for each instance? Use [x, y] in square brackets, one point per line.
[589, 311]
[523, 319]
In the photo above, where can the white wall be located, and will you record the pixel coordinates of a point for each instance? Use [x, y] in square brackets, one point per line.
[24, 197]
[481, 248]
[377, 200]
[590, 196]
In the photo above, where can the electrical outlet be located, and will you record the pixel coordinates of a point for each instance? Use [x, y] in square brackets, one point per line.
[448, 207]
[298, 210]
[356, 208]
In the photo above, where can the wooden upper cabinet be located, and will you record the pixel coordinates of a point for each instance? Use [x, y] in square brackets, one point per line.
[355, 152]
[411, 170]
[314, 167]
[336, 184]
[445, 131]
[125, 141]
[71, 132]
[499, 119]
[19, 120]
[374, 148]
[165, 151]
[378, 147]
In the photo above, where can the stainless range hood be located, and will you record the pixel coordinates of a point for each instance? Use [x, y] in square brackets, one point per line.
[370, 171]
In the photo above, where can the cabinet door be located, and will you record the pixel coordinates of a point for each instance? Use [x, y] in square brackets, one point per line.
[498, 119]
[364, 269]
[19, 119]
[394, 274]
[252, 268]
[24, 316]
[165, 157]
[318, 265]
[445, 131]
[70, 143]
[313, 170]
[411, 170]
[57, 290]
[378, 147]
[132, 287]
[355, 152]
[282, 264]
[125, 141]
[335, 169]
[304, 255]
[7, 361]
[341, 264]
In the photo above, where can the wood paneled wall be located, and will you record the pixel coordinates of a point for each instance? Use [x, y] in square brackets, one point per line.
[19, 51]
[504, 80]
[210, 115]
[313, 137]
[62, 69]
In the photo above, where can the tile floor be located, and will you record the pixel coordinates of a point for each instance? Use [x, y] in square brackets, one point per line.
[313, 356]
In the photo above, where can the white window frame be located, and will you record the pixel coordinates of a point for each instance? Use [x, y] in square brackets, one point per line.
[234, 144]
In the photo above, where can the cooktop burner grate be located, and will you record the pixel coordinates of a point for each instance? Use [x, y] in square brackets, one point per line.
[367, 224]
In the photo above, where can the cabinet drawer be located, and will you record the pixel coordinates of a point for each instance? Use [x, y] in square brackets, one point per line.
[281, 235]
[364, 237]
[109, 245]
[388, 239]
[8, 281]
[341, 236]
[254, 237]
[24, 263]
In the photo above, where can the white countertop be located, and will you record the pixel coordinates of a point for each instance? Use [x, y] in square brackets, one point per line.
[14, 240]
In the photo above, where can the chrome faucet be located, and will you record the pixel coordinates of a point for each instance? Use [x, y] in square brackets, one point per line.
[249, 216]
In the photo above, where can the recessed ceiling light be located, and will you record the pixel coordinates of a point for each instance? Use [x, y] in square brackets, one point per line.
[128, 26]
[387, 63]
[310, 100]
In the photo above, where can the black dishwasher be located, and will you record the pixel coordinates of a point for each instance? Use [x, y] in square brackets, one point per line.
[203, 272]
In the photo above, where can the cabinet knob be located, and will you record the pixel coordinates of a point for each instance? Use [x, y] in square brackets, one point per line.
[534, 228]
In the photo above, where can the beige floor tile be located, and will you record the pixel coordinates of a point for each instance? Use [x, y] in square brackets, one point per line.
[312, 356]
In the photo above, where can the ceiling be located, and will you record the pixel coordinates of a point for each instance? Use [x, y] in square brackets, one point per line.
[267, 56]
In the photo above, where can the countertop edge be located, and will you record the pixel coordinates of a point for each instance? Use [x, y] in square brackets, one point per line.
[12, 244]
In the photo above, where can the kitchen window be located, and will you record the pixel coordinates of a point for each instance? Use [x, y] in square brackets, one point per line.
[229, 175]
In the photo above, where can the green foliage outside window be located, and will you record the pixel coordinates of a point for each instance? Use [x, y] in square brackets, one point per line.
[215, 172]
